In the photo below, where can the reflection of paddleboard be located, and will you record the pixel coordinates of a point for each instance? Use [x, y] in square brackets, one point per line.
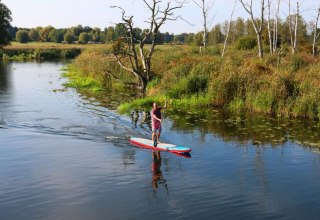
[146, 143]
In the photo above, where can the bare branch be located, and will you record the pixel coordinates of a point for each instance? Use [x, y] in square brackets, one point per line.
[257, 23]
[140, 66]
[228, 30]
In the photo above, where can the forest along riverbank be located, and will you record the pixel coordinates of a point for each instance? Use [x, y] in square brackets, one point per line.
[59, 162]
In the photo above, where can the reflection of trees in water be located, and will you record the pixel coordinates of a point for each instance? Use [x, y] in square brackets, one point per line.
[258, 129]
[157, 177]
[109, 99]
[141, 119]
[4, 76]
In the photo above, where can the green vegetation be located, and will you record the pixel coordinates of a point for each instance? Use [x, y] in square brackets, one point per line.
[246, 43]
[5, 19]
[11, 53]
[89, 71]
[84, 83]
[22, 36]
[43, 51]
[239, 82]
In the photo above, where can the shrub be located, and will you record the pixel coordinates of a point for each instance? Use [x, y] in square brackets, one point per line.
[22, 36]
[68, 38]
[196, 84]
[84, 38]
[246, 43]
[213, 51]
[178, 90]
[297, 63]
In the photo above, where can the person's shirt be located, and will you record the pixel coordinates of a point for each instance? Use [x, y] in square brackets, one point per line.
[156, 112]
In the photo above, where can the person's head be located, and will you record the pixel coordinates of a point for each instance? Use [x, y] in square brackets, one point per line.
[154, 105]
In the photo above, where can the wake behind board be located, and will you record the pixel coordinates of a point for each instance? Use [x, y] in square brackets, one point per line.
[146, 143]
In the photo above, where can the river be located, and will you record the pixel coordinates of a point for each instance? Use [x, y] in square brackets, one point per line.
[66, 155]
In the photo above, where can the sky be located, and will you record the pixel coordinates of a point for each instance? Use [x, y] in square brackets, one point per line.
[98, 13]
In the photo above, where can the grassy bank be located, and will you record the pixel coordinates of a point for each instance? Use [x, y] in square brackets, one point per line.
[289, 87]
[42, 51]
[89, 71]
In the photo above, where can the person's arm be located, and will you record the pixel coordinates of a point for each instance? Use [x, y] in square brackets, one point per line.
[165, 104]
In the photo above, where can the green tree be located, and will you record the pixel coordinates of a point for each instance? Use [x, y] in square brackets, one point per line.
[52, 35]
[197, 39]
[137, 34]
[59, 36]
[68, 37]
[190, 38]
[120, 31]
[168, 38]
[110, 34]
[44, 33]
[12, 32]
[5, 19]
[240, 29]
[176, 39]
[22, 36]
[84, 38]
[75, 31]
[215, 35]
[33, 35]
[302, 37]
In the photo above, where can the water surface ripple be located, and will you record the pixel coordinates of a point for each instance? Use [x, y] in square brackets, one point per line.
[66, 155]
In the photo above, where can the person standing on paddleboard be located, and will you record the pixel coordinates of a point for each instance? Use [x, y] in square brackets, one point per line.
[156, 119]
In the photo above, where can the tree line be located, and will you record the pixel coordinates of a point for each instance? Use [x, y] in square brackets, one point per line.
[82, 34]
[240, 29]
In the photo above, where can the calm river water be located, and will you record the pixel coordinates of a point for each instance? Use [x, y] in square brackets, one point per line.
[66, 155]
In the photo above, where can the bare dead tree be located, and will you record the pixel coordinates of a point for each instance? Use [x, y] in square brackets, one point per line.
[269, 26]
[275, 26]
[293, 27]
[315, 34]
[228, 29]
[205, 6]
[131, 53]
[257, 23]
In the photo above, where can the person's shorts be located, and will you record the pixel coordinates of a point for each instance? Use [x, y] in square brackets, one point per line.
[159, 129]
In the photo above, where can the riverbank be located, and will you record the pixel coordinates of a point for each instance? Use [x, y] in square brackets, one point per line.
[287, 86]
[41, 51]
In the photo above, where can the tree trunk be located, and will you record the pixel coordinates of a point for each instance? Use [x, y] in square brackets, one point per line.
[258, 26]
[228, 31]
[275, 28]
[143, 83]
[315, 35]
[140, 66]
[260, 45]
[269, 27]
[295, 43]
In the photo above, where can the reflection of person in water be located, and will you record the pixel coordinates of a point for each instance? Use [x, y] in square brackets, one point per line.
[157, 177]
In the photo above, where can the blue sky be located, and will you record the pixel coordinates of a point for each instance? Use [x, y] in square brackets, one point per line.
[97, 13]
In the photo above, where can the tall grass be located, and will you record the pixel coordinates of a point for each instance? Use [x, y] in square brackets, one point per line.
[238, 82]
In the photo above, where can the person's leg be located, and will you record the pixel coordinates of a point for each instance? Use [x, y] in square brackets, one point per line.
[159, 133]
[153, 135]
